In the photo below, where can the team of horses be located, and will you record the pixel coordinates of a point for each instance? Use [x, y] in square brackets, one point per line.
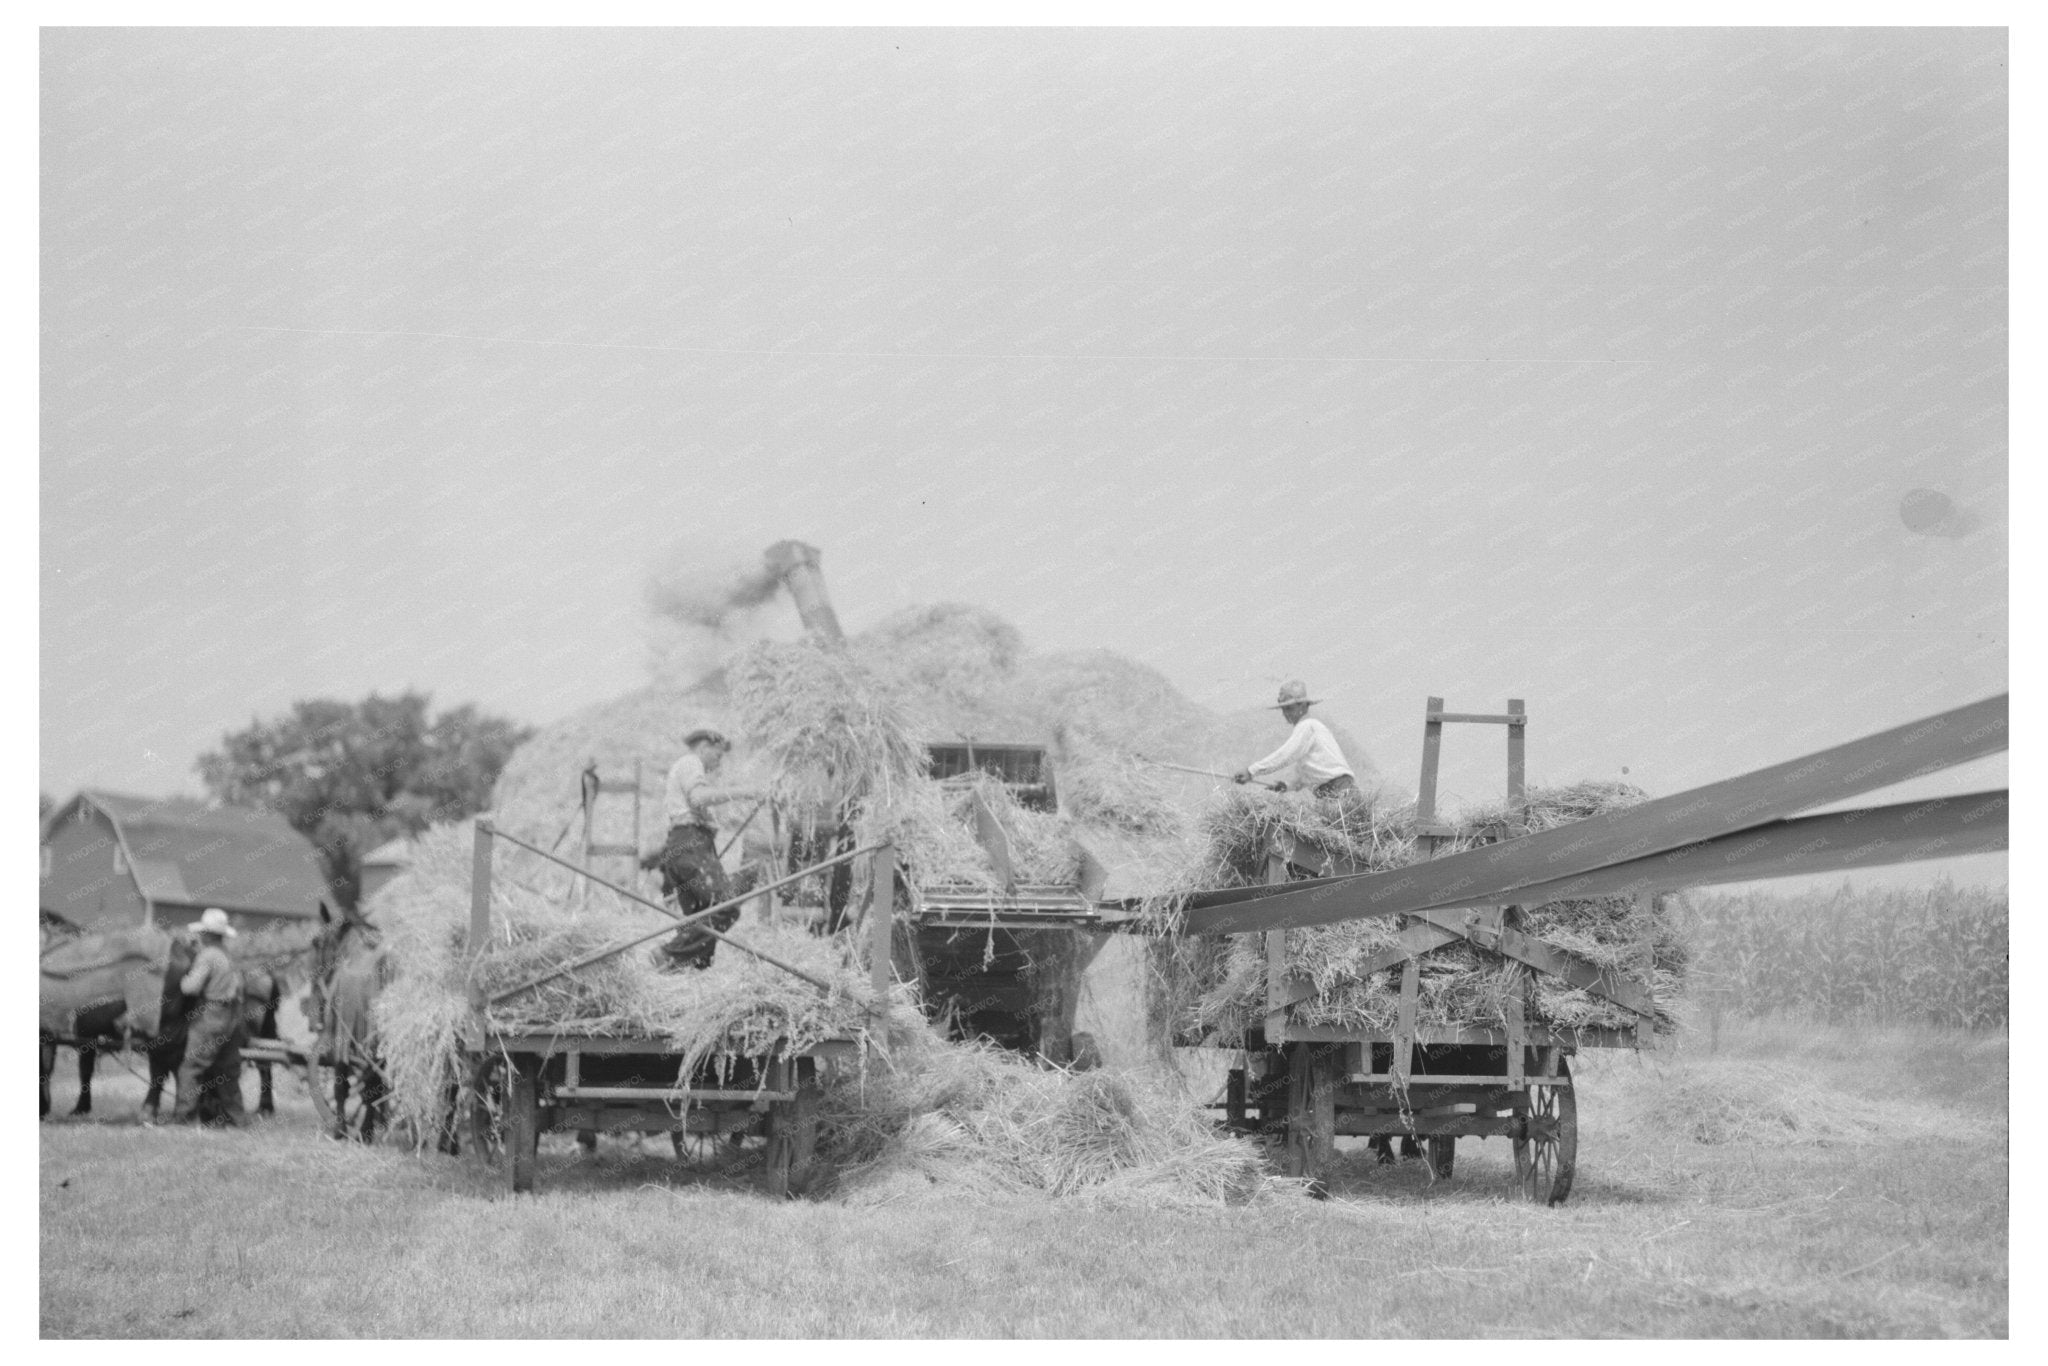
[345, 968]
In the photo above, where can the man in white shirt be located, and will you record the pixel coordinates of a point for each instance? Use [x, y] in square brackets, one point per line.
[690, 869]
[1311, 750]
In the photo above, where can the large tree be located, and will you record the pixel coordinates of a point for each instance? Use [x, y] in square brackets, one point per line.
[350, 775]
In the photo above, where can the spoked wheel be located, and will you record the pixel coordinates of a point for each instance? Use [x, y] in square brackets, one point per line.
[522, 1121]
[480, 1105]
[1443, 1155]
[1311, 1117]
[1548, 1147]
[779, 1157]
[793, 1137]
[706, 1150]
[348, 1099]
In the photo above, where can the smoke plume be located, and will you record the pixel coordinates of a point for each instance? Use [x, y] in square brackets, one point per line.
[707, 603]
[694, 595]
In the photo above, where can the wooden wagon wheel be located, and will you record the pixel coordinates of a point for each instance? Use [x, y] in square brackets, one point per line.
[1443, 1155]
[1548, 1147]
[480, 1102]
[793, 1131]
[352, 1116]
[781, 1150]
[1311, 1116]
[522, 1121]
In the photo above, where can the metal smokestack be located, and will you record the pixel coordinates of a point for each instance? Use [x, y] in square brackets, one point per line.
[796, 564]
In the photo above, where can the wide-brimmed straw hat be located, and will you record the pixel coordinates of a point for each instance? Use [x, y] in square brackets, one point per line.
[711, 733]
[214, 920]
[1294, 693]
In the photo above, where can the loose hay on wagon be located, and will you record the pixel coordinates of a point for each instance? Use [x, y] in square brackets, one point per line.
[720, 1058]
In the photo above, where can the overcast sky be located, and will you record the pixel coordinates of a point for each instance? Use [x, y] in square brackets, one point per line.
[1592, 368]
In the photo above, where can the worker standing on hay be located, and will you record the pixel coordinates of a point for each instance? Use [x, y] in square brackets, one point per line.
[690, 868]
[1311, 750]
[213, 1033]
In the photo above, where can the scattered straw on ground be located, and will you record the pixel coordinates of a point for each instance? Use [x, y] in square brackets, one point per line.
[925, 1119]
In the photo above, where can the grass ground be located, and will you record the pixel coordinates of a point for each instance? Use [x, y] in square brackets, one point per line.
[1788, 1184]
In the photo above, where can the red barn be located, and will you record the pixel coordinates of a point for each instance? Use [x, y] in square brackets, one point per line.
[111, 861]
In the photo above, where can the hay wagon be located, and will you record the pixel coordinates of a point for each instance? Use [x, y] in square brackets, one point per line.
[518, 1084]
[593, 1085]
[1304, 1085]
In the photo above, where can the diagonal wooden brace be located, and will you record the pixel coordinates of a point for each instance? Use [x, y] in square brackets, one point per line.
[1528, 949]
[1414, 941]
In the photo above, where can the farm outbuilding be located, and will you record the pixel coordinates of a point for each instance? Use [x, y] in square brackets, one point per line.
[110, 861]
[384, 863]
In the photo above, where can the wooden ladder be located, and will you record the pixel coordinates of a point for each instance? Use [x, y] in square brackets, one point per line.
[1433, 835]
[1434, 719]
[595, 787]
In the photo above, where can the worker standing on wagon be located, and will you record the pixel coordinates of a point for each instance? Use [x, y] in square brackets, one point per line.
[213, 1033]
[690, 869]
[1311, 750]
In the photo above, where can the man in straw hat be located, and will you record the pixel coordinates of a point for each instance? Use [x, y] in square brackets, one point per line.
[690, 869]
[213, 1043]
[1311, 750]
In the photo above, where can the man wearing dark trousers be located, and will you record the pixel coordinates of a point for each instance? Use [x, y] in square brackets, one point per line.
[690, 870]
[213, 1031]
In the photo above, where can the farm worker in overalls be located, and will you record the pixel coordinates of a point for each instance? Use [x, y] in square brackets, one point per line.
[213, 1033]
[690, 870]
[1312, 751]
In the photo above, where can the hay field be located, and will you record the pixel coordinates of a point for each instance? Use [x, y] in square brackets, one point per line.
[1760, 1189]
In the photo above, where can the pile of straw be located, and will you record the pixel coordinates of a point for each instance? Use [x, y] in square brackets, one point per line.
[738, 1003]
[938, 673]
[1101, 783]
[925, 1119]
[834, 735]
[1214, 989]
[946, 653]
[932, 825]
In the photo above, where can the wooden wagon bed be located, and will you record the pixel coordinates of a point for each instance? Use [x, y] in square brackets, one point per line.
[592, 1085]
[1305, 1085]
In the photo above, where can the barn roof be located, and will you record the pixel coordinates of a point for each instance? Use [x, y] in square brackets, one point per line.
[183, 852]
[390, 854]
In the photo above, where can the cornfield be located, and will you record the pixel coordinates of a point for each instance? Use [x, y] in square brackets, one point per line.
[1933, 955]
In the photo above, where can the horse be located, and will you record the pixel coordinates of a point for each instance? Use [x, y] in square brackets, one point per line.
[96, 995]
[262, 994]
[349, 968]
